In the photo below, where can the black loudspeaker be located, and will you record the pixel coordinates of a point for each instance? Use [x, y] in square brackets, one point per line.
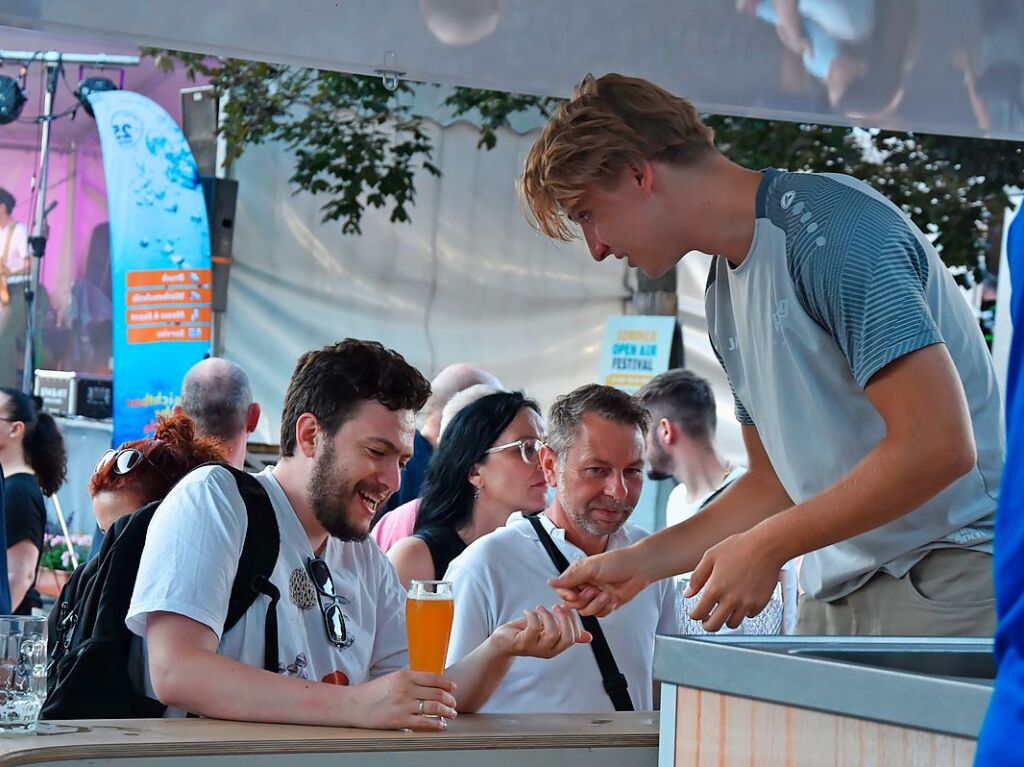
[221, 196]
[200, 109]
[76, 394]
[94, 396]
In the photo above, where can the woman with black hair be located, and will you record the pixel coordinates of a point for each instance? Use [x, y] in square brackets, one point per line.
[486, 467]
[34, 463]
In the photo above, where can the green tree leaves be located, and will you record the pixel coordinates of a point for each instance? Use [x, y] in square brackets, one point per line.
[357, 145]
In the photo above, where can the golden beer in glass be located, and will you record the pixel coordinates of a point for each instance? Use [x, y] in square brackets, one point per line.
[429, 609]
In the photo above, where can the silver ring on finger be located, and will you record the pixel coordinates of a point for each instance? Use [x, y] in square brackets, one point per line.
[419, 709]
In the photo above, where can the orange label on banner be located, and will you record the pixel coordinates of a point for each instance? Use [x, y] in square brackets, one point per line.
[182, 296]
[141, 278]
[173, 333]
[180, 314]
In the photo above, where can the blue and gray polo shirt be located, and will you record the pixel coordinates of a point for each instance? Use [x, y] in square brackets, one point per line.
[838, 283]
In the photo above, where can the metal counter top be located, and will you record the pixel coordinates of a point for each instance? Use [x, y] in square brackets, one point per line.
[941, 684]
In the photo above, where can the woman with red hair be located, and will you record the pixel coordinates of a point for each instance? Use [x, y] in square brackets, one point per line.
[144, 470]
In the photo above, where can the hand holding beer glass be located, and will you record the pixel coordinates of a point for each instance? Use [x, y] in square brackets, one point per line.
[429, 610]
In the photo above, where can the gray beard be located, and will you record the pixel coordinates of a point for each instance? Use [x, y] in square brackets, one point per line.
[580, 518]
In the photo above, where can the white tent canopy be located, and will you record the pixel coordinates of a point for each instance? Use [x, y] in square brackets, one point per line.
[468, 279]
[944, 66]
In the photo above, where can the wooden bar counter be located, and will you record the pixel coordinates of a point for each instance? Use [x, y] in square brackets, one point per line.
[565, 740]
[794, 701]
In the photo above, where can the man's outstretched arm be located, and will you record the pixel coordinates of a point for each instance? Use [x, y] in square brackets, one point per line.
[928, 445]
[598, 584]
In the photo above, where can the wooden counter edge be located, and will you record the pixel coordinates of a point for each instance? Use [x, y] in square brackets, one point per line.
[115, 739]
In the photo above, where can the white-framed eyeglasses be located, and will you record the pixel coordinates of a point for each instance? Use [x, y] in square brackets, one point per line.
[529, 449]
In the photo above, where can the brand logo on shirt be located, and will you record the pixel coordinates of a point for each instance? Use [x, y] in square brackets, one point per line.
[781, 312]
[733, 346]
[787, 199]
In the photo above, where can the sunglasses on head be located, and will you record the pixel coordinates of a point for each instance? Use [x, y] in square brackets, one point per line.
[123, 460]
[330, 602]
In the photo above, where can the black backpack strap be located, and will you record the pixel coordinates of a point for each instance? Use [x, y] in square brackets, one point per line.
[259, 555]
[615, 683]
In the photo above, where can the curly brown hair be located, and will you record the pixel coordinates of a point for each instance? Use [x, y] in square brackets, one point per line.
[171, 453]
[333, 381]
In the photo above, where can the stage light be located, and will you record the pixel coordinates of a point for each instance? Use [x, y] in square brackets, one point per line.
[91, 85]
[12, 99]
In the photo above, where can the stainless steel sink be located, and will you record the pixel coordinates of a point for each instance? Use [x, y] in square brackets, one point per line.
[958, 665]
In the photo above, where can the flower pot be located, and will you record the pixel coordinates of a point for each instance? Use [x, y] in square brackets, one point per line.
[50, 582]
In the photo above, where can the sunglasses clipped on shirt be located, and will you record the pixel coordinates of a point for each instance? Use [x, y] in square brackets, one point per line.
[529, 449]
[330, 602]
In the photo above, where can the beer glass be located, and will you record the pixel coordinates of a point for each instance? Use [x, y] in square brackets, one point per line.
[429, 609]
[22, 672]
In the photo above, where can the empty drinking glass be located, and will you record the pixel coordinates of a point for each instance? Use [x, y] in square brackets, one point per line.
[22, 672]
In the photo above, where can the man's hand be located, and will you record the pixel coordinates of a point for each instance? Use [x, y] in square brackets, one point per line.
[393, 702]
[540, 633]
[738, 577]
[597, 585]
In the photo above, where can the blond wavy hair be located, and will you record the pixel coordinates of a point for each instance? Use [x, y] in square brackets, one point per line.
[611, 122]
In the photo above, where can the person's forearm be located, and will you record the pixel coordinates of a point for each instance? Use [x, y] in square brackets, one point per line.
[746, 502]
[478, 675]
[891, 481]
[207, 684]
[20, 582]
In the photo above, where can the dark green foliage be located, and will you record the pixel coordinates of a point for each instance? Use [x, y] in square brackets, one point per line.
[357, 144]
[950, 186]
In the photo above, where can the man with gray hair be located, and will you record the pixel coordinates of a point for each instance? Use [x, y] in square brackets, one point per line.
[449, 382]
[216, 395]
[594, 458]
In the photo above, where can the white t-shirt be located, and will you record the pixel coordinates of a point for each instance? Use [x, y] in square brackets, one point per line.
[678, 508]
[503, 573]
[188, 567]
[17, 261]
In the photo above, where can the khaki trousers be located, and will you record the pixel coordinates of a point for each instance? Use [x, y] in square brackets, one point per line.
[948, 593]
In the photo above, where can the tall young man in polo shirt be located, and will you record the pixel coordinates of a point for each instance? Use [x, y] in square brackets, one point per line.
[594, 459]
[346, 431]
[866, 393]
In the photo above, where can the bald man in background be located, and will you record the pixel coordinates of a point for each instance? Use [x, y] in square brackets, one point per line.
[217, 396]
[447, 383]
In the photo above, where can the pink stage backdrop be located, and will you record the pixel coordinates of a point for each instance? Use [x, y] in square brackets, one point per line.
[74, 310]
